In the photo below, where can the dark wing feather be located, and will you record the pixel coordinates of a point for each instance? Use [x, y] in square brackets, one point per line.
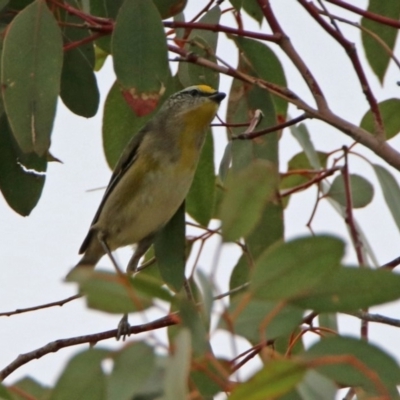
[128, 157]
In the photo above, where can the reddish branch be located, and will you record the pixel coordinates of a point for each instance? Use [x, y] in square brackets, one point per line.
[221, 28]
[367, 14]
[52, 347]
[253, 135]
[58, 303]
[352, 53]
[286, 45]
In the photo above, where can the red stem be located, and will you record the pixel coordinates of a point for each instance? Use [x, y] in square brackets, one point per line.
[351, 51]
[221, 28]
[367, 14]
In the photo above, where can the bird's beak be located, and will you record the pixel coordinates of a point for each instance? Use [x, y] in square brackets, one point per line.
[218, 97]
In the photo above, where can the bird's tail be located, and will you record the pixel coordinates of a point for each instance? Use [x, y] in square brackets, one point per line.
[91, 257]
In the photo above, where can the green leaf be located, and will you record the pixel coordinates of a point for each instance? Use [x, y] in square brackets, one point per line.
[379, 287]
[178, 367]
[192, 320]
[377, 56]
[4, 394]
[300, 132]
[133, 366]
[250, 321]
[208, 374]
[237, 4]
[106, 9]
[120, 124]
[82, 378]
[31, 70]
[362, 192]
[315, 386]
[301, 161]
[201, 197]
[204, 44]
[169, 8]
[292, 269]
[275, 379]
[253, 9]
[390, 115]
[240, 274]
[30, 386]
[169, 249]
[140, 54]
[22, 176]
[79, 90]
[257, 55]
[109, 292]
[384, 367]
[206, 285]
[247, 192]
[391, 191]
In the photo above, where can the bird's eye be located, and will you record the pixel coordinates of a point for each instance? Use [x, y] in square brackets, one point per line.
[194, 92]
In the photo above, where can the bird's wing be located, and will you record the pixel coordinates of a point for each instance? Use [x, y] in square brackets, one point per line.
[128, 157]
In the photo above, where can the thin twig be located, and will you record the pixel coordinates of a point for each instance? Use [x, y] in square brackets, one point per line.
[58, 303]
[286, 45]
[367, 14]
[352, 53]
[311, 182]
[253, 135]
[380, 319]
[53, 347]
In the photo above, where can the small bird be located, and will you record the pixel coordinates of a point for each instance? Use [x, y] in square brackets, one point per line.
[152, 177]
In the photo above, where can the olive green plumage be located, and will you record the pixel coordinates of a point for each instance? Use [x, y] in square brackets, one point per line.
[152, 176]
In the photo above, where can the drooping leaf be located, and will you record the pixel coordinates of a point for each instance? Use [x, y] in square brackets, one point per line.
[294, 268]
[120, 124]
[300, 161]
[209, 376]
[22, 176]
[31, 70]
[315, 386]
[300, 132]
[105, 9]
[240, 274]
[378, 287]
[169, 8]
[82, 378]
[4, 394]
[276, 378]
[391, 191]
[140, 55]
[29, 386]
[201, 196]
[250, 322]
[133, 366]
[375, 360]
[204, 44]
[377, 56]
[109, 292]
[192, 320]
[266, 65]
[243, 102]
[391, 119]
[253, 9]
[169, 249]
[362, 192]
[79, 90]
[247, 192]
[177, 372]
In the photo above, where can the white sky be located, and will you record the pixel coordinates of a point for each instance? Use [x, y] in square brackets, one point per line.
[39, 250]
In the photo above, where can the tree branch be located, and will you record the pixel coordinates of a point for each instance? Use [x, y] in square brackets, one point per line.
[367, 14]
[352, 53]
[53, 347]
